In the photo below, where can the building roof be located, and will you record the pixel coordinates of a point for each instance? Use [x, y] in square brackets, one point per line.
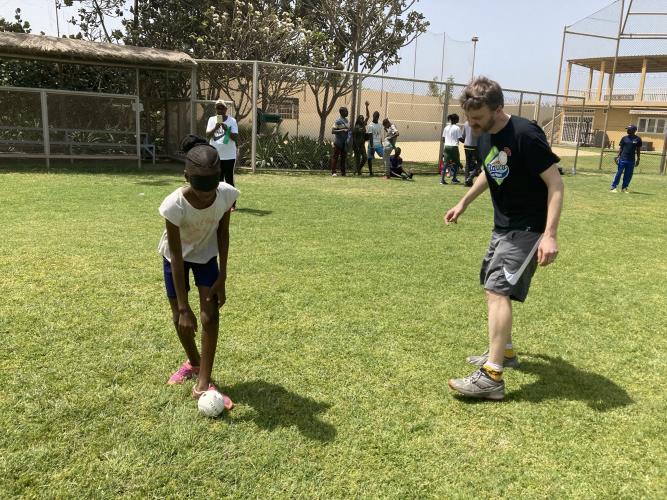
[625, 64]
[23, 45]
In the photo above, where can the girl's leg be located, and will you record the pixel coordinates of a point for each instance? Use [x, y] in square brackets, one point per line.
[187, 341]
[210, 320]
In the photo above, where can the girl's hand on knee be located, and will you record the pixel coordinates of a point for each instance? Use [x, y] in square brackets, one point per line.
[187, 323]
[217, 293]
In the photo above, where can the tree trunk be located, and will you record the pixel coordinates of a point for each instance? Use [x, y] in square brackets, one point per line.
[355, 83]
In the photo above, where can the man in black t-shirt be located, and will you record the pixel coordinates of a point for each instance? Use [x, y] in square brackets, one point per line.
[629, 146]
[521, 172]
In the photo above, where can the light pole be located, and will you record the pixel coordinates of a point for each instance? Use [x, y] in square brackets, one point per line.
[474, 51]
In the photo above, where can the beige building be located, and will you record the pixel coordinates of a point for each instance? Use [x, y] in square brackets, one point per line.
[646, 108]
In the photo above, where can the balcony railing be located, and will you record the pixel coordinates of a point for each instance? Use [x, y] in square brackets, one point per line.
[621, 94]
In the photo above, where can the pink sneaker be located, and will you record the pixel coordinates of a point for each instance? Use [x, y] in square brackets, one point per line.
[229, 404]
[185, 372]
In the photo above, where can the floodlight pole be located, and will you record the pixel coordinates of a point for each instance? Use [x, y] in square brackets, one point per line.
[193, 100]
[611, 83]
[560, 70]
[474, 53]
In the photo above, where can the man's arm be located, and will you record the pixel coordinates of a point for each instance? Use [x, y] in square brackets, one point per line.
[639, 147]
[548, 249]
[477, 188]
[368, 113]
[218, 288]
[211, 130]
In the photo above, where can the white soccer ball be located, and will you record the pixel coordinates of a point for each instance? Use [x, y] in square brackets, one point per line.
[211, 403]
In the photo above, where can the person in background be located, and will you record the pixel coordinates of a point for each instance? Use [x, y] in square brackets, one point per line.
[390, 136]
[470, 150]
[629, 146]
[359, 143]
[340, 132]
[222, 131]
[374, 130]
[397, 166]
[452, 134]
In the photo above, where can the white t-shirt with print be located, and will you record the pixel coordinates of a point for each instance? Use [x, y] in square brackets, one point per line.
[389, 134]
[375, 129]
[452, 134]
[198, 228]
[226, 151]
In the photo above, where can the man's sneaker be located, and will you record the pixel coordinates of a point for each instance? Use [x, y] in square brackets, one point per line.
[613, 190]
[478, 385]
[442, 183]
[334, 175]
[625, 190]
[482, 358]
[456, 181]
[185, 372]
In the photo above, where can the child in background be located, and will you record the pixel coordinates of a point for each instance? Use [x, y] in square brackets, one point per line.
[390, 136]
[397, 166]
[359, 143]
[197, 230]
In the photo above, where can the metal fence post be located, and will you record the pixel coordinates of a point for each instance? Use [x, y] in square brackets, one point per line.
[45, 128]
[536, 112]
[520, 102]
[193, 100]
[253, 141]
[445, 109]
[137, 106]
[578, 135]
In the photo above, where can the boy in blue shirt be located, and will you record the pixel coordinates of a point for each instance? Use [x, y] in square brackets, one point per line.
[629, 146]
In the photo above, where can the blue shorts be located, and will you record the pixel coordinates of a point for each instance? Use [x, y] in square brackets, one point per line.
[205, 275]
[375, 149]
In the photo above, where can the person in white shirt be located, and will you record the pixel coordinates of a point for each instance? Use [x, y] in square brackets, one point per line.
[196, 232]
[390, 136]
[374, 131]
[222, 131]
[452, 134]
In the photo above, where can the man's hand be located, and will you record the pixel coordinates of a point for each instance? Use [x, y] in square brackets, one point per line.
[637, 163]
[187, 323]
[367, 103]
[453, 214]
[217, 293]
[547, 251]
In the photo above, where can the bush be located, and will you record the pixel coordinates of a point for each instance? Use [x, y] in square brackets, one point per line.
[281, 151]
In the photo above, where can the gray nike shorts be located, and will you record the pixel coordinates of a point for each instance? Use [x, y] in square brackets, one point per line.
[509, 263]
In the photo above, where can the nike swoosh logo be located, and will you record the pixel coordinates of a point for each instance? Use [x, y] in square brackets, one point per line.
[510, 277]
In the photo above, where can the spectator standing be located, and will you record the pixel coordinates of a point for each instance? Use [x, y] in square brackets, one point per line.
[374, 130]
[340, 132]
[452, 135]
[222, 131]
[359, 143]
[470, 150]
[390, 136]
[629, 146]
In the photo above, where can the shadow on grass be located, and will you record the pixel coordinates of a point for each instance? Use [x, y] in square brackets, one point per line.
[254, 211]
[277, 407]
[558, 379]
[155, 182]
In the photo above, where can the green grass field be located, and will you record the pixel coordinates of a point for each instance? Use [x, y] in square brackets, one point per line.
[349, 306]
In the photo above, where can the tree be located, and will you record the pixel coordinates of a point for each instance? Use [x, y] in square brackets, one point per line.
[436, 89]
[360, 36]
[93, 16]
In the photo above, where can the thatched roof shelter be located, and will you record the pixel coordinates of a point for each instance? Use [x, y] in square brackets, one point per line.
[50, 48]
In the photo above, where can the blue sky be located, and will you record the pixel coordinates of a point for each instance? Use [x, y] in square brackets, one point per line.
[519, 40]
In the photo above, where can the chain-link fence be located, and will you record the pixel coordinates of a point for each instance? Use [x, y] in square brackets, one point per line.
[616, 58]
[292, 111]
[55, 124]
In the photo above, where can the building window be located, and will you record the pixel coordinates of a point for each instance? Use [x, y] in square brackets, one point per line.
[287, 108]
[651, 125]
